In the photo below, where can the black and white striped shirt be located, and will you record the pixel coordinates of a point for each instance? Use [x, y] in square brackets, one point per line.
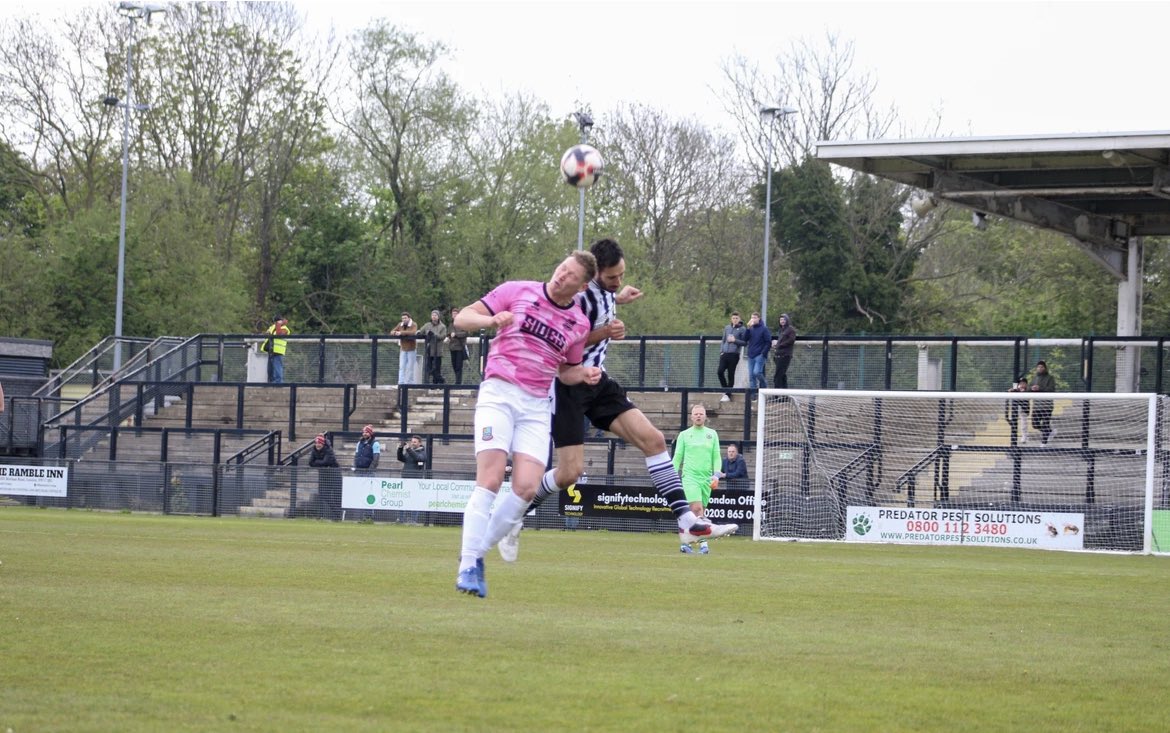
[600, 308]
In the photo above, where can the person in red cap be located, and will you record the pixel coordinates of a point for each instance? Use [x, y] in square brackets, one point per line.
[329, 480]
[321, 454]
[368, 450]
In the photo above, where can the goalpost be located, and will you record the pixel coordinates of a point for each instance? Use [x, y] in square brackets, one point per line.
[975, 468]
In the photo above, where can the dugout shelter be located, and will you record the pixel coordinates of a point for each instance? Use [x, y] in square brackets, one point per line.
[1106, 191]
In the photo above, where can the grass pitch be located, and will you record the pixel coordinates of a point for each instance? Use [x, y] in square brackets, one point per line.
[117, 622]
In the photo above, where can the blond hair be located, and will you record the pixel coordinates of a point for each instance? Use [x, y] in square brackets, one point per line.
[587, 261]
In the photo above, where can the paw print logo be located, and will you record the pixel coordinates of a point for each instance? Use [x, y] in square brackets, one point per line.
[861, 525]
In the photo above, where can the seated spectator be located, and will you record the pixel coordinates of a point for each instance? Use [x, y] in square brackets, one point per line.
[734, 468]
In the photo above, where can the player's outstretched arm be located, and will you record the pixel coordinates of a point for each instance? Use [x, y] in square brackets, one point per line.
[476, 316]
[628, 294]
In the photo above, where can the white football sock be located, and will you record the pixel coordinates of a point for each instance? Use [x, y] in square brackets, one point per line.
[509, 510]
[475, 524]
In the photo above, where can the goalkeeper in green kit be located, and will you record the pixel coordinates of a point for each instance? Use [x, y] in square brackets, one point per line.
[698, 460]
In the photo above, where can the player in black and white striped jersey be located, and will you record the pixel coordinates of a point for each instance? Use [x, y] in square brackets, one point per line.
[600, 306]
[608, 408]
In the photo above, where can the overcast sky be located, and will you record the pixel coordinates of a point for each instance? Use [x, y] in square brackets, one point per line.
[992, 68]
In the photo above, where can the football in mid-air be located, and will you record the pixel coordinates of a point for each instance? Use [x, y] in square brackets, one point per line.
[581, 165]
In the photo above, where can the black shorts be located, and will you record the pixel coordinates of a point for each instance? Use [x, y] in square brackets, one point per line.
[601, 403]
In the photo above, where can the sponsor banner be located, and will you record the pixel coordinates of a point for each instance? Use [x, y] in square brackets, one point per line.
[1001, 527]
[643, 502]
[408, 494]
[34, 480]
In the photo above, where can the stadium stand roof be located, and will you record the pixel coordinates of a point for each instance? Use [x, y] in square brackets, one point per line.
[1106, 191]
[1101, 189]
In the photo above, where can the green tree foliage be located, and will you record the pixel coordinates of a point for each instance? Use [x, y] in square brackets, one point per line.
[1010, 279]
[510, 215]
[405, 119]
[845, 244]
[341, 184]
[813, 236]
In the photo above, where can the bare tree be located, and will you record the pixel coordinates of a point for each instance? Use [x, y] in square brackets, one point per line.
[51, 88]
[834, 99]
[403, 112]
[662, 173]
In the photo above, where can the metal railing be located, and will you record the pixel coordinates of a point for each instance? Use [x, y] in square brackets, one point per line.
[95, 367]
[683, 364]
[267, 447]
[942, 363]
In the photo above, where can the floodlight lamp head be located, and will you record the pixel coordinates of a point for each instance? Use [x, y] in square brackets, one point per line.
[923, 205]
[140, 10]
[1113, 157]
[778, 111]
[584, 120]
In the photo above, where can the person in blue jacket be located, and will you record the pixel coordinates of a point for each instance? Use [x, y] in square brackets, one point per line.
[759, 343]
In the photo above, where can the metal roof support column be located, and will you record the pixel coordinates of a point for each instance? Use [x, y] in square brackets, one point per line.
[1129, 319]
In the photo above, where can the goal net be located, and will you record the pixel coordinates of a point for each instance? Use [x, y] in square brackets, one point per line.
[1038, 470]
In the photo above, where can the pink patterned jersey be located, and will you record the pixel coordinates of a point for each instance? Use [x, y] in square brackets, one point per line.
[541, 337]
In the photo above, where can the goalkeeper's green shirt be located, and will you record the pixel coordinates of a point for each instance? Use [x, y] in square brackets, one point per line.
[696, 454]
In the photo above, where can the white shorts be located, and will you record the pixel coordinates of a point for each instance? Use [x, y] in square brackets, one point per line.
[509, 419]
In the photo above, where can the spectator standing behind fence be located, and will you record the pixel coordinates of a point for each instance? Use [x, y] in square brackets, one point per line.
[734, 339]
[328, 478]
[407, 364]
[435, 333]
[457, 345]
[734, 468]
[1042, 381]
[275, 345]
[1016, 409]
[784, 344]
[759, 342]
[413, 456]
[368, 451]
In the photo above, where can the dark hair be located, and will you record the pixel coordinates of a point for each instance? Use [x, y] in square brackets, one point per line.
[1042, 363]
[608, 253]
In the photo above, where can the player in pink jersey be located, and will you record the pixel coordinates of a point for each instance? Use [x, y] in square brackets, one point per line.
[540, 336]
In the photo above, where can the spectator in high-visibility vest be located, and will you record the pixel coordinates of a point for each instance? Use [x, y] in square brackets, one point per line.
[274, 345]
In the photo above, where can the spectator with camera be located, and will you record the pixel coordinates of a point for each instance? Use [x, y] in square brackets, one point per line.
[407, 359]
[413, 456]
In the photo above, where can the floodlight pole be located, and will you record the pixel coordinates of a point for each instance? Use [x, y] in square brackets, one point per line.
[133, 11]
[584, 122]
[772, 113]
[122, 216]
